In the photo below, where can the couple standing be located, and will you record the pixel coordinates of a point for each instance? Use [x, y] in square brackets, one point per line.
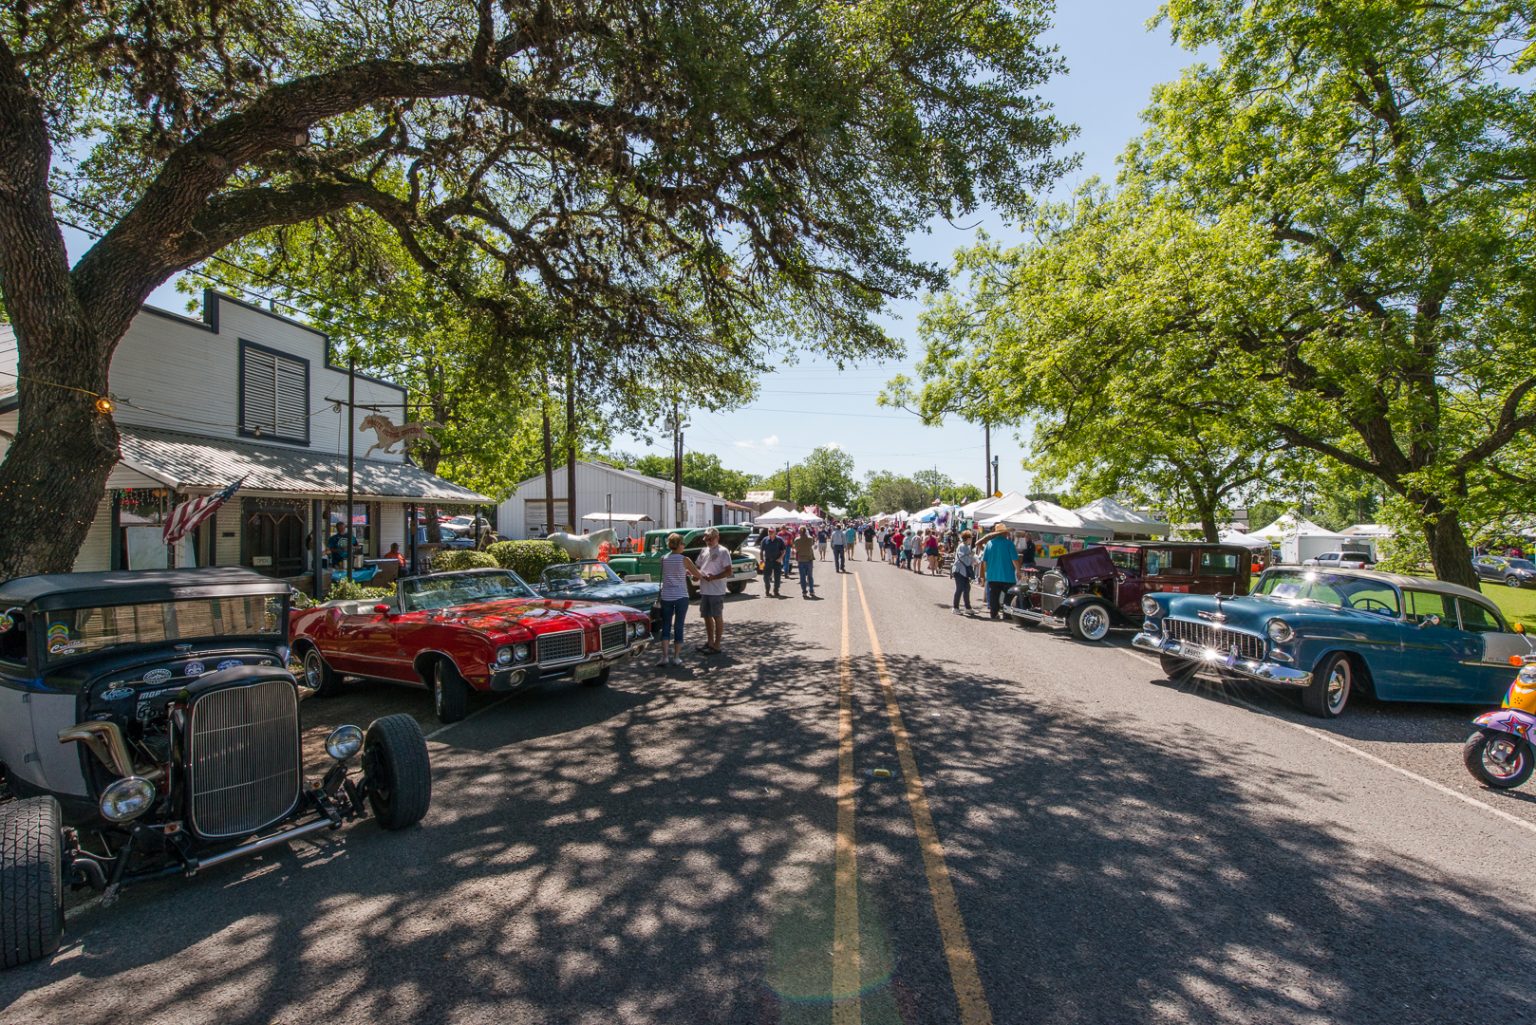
[713, 573]
[1001, 559]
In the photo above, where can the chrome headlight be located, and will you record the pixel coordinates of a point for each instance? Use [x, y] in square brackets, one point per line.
[1279, 631]
[1528, 674]
[520, 652]
[344, 742]
[1149, 606]
[503, 656]
[1055, 583]
[126, 799]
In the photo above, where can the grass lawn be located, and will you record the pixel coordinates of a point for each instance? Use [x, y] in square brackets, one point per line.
[1518, 603]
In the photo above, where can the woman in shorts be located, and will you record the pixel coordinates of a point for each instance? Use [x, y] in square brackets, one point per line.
[676, 568]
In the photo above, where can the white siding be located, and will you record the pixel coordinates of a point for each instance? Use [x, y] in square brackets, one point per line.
[631, 493]
[96, 553]
[391, 526]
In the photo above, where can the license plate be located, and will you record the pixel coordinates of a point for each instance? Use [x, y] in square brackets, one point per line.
[587, 670]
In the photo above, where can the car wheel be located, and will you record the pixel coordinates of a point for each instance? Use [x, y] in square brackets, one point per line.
[1177, 670]
[1498, 760]
[450, 692]
[1333, 681]
[31, 881]
[736, 588]
[398, 771]
[1512, 581]
[600, 680]
[319, 679]
[1089, 622]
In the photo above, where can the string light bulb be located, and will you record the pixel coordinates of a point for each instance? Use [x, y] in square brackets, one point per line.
[105, 405]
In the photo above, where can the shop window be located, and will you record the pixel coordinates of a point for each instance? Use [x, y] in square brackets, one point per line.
[274, 394]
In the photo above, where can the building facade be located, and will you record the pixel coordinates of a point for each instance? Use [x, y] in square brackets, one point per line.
[245, 395]
[632, 502]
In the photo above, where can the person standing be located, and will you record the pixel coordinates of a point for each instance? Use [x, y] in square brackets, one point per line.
[676, 568]
[963, 571]
[774, 550]
[931, 551]
[1027, 553]
[869, 542]
[839, 541]
[805, 555]
[714, 575]
[1001, 558]
[851, 537]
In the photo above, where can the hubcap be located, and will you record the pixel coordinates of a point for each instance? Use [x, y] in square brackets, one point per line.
[1503, 757]
[1095, 623]
[312, 670]
[1338, 686]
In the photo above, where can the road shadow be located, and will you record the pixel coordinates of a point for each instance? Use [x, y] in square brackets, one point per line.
[1112, 875]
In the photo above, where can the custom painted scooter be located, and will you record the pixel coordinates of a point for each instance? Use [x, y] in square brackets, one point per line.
[1499, 754]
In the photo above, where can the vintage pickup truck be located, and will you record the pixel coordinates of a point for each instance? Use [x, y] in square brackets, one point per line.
[646, 564]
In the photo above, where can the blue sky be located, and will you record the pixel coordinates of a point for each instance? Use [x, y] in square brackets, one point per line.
[1113, 61]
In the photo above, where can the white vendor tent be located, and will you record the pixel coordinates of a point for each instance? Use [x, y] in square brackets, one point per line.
[1121, 519]
[1367, 530]
[1237, 537]
[1286, 525]
[981, 508]
[786, 518]
[1044, 517]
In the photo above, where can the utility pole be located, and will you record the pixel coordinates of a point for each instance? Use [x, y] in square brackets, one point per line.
[987, 433]
[549, 464]
[997, 482]
[351, 454]
[570, 434]
[677, 465]
[789, 495]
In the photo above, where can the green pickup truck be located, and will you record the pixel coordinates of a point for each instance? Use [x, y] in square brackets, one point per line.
[646, 565]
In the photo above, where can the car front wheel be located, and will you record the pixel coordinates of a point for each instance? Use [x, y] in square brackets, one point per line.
[1512, 580]
[1089, 622]
[1333, 681]
[31, 881]
[1177, 670]
[737, 587]
[450, 692]
[399, 773]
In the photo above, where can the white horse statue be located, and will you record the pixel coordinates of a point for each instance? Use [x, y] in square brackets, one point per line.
[585, 546]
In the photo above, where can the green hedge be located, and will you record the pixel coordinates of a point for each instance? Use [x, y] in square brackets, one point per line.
[527, 559]
[451, 559]
[343, 589]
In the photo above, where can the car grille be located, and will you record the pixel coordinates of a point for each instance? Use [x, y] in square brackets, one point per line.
[556, 648]
[243, 767]
[614, 636]
[1217, 637]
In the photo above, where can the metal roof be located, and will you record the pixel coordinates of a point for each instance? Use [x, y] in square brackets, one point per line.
[187, 462]
[113, 587]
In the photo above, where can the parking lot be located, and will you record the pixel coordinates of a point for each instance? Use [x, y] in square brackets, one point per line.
[867, 810]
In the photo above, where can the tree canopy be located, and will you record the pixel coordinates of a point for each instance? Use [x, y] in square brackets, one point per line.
[721, 176]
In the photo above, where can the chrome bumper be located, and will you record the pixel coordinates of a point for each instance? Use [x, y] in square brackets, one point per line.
[1030, 615]
[743, 573]
[504, 679]
[1210, 658]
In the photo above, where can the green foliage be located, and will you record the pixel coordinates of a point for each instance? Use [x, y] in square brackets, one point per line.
[884, 491]
[450, 559]
[701, 470]
[824, 478]
[528, 559]
[343, 589]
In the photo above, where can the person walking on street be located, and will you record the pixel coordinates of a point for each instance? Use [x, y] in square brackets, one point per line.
[1001, 558]
[963, 570]
[714, 574]
[821, 542]
[676, 568]
[787, 536]
[805, 555]
[851, 537]
[869, 542]
[839, 541]
[774, 551]
[931, 552]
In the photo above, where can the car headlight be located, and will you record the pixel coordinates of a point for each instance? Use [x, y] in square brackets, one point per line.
[520, 652]
[1279, 631]
[126, 799]
[344, 742]
[1055, 583]
[1149, 606]
[503, 656]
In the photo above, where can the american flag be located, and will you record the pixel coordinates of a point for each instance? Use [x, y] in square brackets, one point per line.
[186, 516]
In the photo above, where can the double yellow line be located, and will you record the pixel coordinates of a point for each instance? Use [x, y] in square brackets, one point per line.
[970, 997]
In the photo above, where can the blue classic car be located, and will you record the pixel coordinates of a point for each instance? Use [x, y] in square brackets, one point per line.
[1326, 632]
[590, 580]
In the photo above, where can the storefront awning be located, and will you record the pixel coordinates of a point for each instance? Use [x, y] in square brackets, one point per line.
[188, 462]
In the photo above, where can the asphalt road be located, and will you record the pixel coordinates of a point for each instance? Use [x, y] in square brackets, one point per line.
[981, 823]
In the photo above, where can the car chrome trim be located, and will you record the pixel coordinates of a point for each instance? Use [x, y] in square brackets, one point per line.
[563, 637]
[1253, 669]
[243, 760]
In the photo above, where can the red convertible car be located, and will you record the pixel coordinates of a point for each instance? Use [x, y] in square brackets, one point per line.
[482, 629]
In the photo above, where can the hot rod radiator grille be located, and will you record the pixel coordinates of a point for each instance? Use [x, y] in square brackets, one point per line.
[243, 758]
[614, 635]
[565, 646]
[1217, 637]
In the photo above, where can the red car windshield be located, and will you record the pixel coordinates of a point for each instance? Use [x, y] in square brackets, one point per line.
[446, 590]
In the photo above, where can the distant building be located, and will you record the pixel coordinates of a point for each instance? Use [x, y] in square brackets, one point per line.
[632, 502]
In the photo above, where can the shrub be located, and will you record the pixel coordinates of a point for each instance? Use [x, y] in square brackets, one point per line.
[461, 558]
[527, 559]
[343, 589]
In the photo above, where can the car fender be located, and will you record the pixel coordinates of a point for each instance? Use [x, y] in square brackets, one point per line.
[1508, 720]
[1076, 601]
[426, 656]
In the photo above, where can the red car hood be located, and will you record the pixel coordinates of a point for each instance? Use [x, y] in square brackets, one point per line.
[536, 614]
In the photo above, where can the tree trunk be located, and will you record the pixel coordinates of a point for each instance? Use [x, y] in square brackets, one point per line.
[549, 466]
[570, 445]
[1448, 548]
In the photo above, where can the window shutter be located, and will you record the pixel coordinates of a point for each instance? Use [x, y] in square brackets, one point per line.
[292, 399]
[260, 391]
[274, 395]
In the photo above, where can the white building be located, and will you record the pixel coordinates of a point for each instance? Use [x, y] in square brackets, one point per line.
[242, 393]
[637, 503]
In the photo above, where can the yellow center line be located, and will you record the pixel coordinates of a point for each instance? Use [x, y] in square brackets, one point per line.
[846, 984]
[970, 996]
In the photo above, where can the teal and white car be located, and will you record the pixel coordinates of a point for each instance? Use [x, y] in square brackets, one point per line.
[1328, 632]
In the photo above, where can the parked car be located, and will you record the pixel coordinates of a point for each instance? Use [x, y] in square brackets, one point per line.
[451, 538]
[1328, 632]
[149, 727]
[646, 564]
[1342, 560]
[479, 629]
[1513, 572]
[1092, 590]
[590, 580]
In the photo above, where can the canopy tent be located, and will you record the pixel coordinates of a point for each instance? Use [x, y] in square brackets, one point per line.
[603, 517]
[979, 509]
[1121, 519]
[1045, 517]
[1367, 530]
[785, 518]
[1291, 525]
[1237, 537]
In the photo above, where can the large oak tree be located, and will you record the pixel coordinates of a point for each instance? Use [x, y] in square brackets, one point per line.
[659, 174]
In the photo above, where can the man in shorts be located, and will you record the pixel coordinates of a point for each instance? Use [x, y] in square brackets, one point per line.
[714, 565]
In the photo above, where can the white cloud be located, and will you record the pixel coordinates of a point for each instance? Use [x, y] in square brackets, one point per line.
[772, 441]
[834, 446]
